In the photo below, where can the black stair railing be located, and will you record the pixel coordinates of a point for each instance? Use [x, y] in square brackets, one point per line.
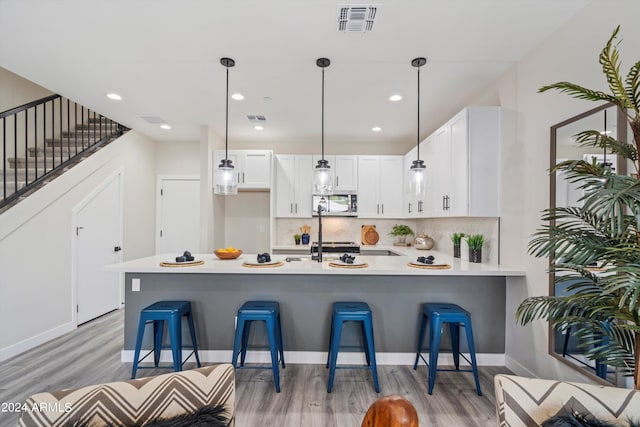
[45, 136]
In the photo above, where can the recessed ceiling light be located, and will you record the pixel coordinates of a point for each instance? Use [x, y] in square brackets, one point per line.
[258, 127]
[165, 126]
[376, 128]
[395, 98]
[237, 96]
[114, 96]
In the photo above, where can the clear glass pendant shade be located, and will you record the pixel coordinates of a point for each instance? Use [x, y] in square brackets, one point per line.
[226, 182]
[322, 179]
[417, 178]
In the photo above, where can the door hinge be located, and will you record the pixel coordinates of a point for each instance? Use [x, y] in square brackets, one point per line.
[160, 233]
[77, 308]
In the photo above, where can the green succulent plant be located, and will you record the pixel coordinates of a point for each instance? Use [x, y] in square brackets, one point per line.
[603, 309]
[401, 230]
[456, 238]
[475, 241]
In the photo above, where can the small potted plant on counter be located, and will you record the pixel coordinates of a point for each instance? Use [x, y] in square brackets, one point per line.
[456, 238]
[475, 242]
[400, 232]
[296, 237]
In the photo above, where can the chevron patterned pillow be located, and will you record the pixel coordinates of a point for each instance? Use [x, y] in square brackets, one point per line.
[134, 402]
[528, 402]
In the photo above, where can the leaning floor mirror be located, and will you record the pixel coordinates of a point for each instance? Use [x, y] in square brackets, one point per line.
[564, 343]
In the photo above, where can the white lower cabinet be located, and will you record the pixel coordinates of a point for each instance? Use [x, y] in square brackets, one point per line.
[294, 175]
[380, 186]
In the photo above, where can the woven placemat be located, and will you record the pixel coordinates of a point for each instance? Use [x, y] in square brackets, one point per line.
[181, 264]
[332, 264]
[430, 267]
[277, 264]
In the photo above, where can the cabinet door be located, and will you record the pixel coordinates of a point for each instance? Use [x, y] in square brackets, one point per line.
[346, 173]
[369, 186]
[441, 179]
[391, 185]
[284, 188]
[303, 178]
[256, 169]
[459, 187]
[410, 205]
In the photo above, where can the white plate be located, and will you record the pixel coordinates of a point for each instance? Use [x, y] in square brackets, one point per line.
[355, 263]
[255, 262]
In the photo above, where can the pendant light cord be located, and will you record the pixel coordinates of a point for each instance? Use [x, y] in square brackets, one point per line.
[322, 114]
[226, 125]
[418, 136]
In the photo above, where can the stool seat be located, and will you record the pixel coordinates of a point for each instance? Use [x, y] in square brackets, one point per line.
[268, 312]
[351, 311]
[157, 313]
[455, 316]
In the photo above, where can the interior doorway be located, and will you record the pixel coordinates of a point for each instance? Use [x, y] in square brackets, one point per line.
[178, 215]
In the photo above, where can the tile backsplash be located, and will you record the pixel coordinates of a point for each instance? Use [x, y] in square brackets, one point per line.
[440, 229]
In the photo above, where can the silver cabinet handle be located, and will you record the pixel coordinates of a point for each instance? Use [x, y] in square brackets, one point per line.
[383, 209]
[243, 177]
[443, 203]
[410, 207]
[290, 207]
[296, 207]
[378, 209]
[337, 181]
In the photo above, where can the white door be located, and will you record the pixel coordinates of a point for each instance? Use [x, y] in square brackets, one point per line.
[98, 243]
[179, 216]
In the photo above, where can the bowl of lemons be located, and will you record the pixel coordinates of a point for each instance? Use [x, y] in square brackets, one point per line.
[228, 253]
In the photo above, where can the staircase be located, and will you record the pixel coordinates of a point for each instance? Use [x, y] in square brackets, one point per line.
[41, 140]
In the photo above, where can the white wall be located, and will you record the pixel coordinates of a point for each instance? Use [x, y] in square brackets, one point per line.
[17, 91]
[35, 241]
[178, 158]
[570, 54]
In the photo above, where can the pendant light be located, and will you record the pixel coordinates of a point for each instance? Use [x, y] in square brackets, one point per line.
[322, 174]
[226, 183]
[417, 171]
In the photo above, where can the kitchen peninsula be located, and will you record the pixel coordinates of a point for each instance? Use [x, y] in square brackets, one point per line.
[306, 290]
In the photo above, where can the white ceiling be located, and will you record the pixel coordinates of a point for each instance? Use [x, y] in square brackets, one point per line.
[163, 56]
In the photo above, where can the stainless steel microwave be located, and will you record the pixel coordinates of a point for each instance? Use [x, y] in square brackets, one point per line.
[336, 205]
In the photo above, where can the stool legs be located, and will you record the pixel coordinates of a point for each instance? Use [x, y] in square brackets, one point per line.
[454, 331]
[136, 355]
[334, 344]
[472, 352]
[158, 333]
[371, 352]
[273, 347]
[434, 347]
[175, 334]
[194, 341]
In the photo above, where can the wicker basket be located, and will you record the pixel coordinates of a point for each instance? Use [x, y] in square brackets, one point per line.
[227, 255]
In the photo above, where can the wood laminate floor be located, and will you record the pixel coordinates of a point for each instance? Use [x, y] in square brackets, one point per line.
[91, 354]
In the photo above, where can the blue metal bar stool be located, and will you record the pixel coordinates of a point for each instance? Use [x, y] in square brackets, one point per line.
[158, 313]
[455, 316]
[268, 312]
[352, 312]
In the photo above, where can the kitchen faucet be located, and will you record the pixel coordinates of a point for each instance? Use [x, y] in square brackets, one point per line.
[321, 207]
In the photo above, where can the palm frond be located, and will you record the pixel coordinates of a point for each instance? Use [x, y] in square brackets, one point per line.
[594, 138]
[581, 92]
[610, 61]
[633, 87]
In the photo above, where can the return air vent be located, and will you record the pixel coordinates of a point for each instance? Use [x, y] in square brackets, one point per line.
[256, 118]
[356, 19]
[155, 120]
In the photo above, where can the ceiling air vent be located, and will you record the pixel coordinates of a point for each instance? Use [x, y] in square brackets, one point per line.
[356, 19]
[155, 120]
[256, 118]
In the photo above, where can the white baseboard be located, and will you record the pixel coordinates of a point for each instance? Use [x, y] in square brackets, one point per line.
[36, 340]
[319, 357]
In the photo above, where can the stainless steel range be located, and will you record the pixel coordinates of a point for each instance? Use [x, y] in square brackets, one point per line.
[333, 247]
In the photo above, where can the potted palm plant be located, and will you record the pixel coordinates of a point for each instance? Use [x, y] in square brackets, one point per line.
[604, 309]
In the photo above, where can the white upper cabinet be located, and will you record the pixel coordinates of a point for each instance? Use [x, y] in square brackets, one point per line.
[294, 175]
[415, 205]
[464, 157]
[252, 167]
[380, 186]
[345, 172]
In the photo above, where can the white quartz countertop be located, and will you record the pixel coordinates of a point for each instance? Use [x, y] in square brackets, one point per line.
[376, 265]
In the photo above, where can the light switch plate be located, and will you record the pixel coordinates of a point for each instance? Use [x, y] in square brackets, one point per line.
[135, 285]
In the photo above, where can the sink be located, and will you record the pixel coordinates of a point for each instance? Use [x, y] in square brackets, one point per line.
[307, 258]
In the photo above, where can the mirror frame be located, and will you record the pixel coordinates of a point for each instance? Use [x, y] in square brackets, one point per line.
[621, 135]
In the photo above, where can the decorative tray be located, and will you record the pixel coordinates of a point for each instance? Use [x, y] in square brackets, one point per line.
[428, 266]
[342, 264]
[255, 264]
[181, 264]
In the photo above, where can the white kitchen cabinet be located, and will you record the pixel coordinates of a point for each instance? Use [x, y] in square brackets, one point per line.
[380, 186]
[345, 172]
[294, 176]
[252, 167]
[464, 154]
